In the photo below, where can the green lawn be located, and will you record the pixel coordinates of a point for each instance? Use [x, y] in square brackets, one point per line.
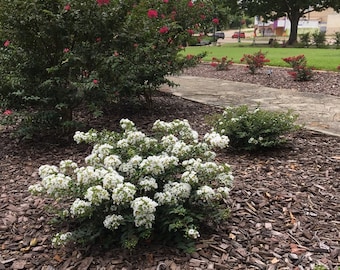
[323, 59]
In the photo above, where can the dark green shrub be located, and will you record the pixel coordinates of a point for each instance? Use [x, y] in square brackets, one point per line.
[254, 129]
[319, 39]
[58, 54]
[337, 39]
[305, 39]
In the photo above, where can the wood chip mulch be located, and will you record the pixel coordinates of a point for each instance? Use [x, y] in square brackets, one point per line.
[285, 204]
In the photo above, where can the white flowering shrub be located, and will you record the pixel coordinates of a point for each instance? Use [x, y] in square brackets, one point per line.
[135, 186]
[253, 129]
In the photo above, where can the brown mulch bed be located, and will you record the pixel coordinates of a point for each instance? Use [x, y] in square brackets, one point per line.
[285, 208]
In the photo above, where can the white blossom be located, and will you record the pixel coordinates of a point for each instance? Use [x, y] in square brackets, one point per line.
[46, 170]
[54, 184]
[96, 195]
[216, 140]
[193, 233]
[61, 239]
[189, 177]
[80, 208]
[123, 193]
[112, 179]
[206, 194]
[144, 211]
[112, 162]
[67, 166]
[147, 183]
[112, 222]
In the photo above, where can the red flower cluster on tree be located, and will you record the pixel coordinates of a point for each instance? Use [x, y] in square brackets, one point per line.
[164, 30]
[67, 7]
[152, 13]
[190, 32]
[7, 43]
[215, 21]
[7, 112]
[190, 4]
[103, 2]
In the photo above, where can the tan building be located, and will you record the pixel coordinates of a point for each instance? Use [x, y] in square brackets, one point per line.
[327, 21]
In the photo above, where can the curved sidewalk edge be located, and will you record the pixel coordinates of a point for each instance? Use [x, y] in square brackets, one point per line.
[316, 111]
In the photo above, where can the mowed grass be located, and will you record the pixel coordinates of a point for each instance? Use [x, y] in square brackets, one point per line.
[321, 59]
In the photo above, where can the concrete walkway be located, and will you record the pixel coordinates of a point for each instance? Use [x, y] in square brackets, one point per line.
[316, 111]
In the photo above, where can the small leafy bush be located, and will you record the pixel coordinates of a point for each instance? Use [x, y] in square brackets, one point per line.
[305, 39]
[337, 40]
[300, 70]
[136, 187]
[254, 129]
[58, 55]
[254, 61]
[319, 39]
[221, 64]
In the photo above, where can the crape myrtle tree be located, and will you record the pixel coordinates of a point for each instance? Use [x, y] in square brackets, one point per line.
[58, 54]
[293, 9]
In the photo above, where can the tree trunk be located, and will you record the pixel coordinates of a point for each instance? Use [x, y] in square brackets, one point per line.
[294, 21]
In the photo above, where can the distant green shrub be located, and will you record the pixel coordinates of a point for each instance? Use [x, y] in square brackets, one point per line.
[305, 39]
[254, 129]
[319, 39]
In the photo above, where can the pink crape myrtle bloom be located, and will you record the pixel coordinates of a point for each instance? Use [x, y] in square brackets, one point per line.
[215, 21]
[190, 4]
[103, 2]
[95, 81]
[152, 13]
[67, 7]
[7, 43]
[66, 50]
[164, 30]
[7, 112]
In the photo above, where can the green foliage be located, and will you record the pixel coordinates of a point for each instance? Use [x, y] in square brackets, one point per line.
[58, 54]
[305, 39]
[221, 64]
[300, 71]
[337, 40]
[135, 188]
[254, 61]
[319, 39]
[254, 129]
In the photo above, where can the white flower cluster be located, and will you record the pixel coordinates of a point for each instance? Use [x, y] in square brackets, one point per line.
[96, 195]
[255, 141]
[192, 233]
[67, 167]
[53, 182]
[216, 140]
[112, 222]
[130, 167]
[123, 193]
[144, 211]
[88, 137]
[180, 128]
[80, 208]
[127, 125]
[98, 154]
[61, 239]
[156, 165]
[89, 175]
[148, 183]
[173, 192]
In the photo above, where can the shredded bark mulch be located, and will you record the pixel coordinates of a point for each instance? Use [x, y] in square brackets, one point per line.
[284, 206]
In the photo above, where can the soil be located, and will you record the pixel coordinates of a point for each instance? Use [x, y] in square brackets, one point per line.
[285, 208]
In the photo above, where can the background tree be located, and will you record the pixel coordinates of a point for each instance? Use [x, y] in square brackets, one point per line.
[293, 9]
